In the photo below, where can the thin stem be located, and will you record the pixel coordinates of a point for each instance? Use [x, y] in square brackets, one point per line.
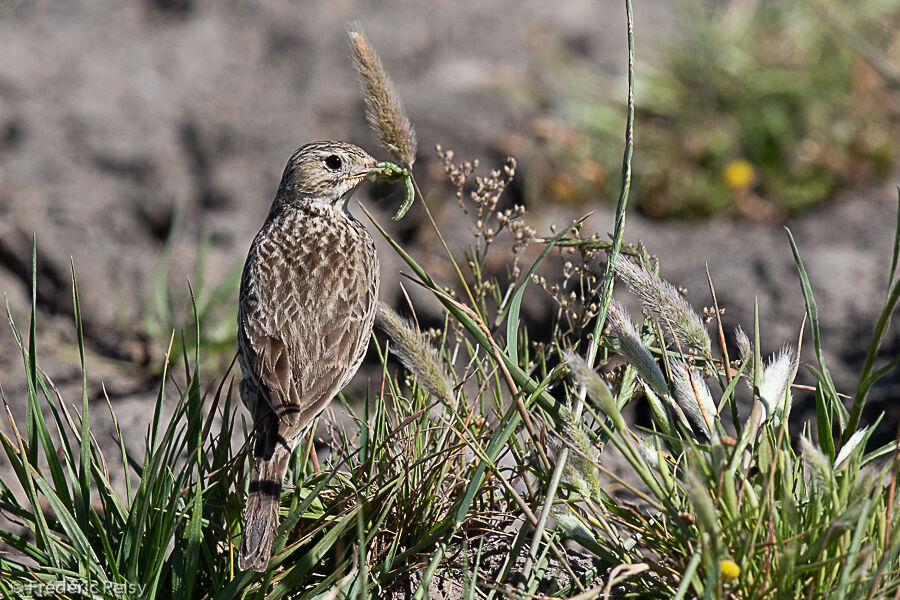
[619, 231]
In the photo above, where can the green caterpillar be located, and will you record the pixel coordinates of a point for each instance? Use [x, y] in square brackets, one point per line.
[391, 173]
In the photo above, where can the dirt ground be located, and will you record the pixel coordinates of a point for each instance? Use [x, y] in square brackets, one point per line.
[116, 117]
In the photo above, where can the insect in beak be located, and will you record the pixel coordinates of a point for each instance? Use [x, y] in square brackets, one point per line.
[391, 173]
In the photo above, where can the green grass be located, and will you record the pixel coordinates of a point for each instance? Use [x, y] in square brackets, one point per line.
[414, 475]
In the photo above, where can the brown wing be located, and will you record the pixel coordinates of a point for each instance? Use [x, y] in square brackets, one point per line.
[307, 302]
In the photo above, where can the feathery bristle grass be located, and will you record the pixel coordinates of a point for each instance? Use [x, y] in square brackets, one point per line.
[669, 308]
[415, 352]
[384, 110]
[572, 525]
[744, 347]
[634, 351]
[699, 495]
[847, 449]
[580, 470]
[597, 389]
[816, 459]
[774, 384]
[693, 396]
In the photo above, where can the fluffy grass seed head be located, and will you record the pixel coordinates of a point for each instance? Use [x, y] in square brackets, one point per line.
[656, 406]
[597, 389]
[415, 353]
[816, 459]
[846, 451]
[663, 302]
[745, 348]
[634, 350]
[774, 385]
[580, 470]
[639, 357]
[384, 110]
[572, 525]
[693, 397]
[650, 452]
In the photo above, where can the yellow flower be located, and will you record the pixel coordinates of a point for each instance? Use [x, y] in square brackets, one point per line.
[738, 174]
[729, 570]
[563, 188]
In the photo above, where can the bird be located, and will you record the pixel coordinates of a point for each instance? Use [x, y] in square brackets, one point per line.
[308, 299]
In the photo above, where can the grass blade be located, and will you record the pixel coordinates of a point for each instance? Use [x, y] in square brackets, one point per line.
[812, 313]
[83, 493]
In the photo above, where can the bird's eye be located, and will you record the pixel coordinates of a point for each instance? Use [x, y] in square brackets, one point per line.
[333, 162]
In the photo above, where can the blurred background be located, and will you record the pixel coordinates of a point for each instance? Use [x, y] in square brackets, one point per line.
[144, 141]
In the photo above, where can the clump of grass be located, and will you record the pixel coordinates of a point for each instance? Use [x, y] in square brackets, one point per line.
[723, 506]
[391, 480]
[88, 537]
[745, 516]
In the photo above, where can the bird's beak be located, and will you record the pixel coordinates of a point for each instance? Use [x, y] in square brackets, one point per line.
[364, 173]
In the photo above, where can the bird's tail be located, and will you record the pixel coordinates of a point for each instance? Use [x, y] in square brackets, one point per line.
[261, 512]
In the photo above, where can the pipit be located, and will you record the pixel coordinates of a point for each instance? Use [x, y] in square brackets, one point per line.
[307, 304]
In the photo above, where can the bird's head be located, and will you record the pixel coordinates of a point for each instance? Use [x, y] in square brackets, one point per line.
[325, 172]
